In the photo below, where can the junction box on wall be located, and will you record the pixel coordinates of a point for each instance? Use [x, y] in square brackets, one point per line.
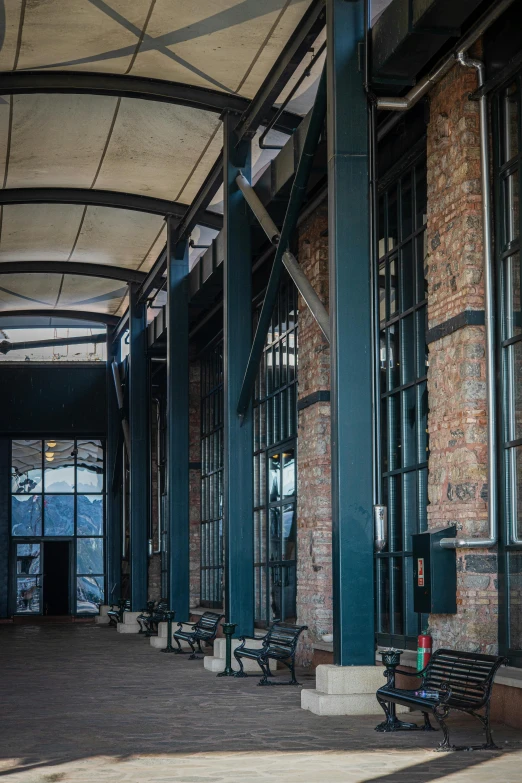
[434, 572]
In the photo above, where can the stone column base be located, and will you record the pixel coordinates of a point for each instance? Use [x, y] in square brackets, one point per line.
[345, 690]
[159, 642]
[129, 624]
[216, 663]
[102, 618]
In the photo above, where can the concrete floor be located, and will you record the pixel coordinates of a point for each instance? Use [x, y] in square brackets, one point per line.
[83, 704]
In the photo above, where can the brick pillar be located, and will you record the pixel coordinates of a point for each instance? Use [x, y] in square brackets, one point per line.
[314, 513]
[456, 378]
[195, 480]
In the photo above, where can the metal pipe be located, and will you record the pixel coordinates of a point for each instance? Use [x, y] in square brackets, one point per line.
[293, 268]
[441, 69]
[307, 291]
[6, 346]
[254, 202]
[474, 543]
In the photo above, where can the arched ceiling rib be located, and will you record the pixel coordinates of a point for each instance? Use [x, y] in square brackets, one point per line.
[82, 268]
[109, 121]
[86, 316]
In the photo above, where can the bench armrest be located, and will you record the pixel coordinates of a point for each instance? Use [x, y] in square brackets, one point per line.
[180, 626]
[243, 640]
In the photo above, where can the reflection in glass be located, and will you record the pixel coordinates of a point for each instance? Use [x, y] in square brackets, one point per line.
[26, 460]
[274, 478]
[27, 596]
[288, 473]
[89, 515]
[89, 594]
[512, 209]
[276, 574]
[515, 600]
[275, 534]
[510, 122]
[28, 559]
[59, 515]
[59, 466]
[89, 471]
[26, 515]
[512, 325]
[289, 532]
[393, 284]
[89, 555]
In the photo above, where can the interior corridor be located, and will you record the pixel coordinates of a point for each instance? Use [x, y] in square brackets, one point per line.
[83, 703]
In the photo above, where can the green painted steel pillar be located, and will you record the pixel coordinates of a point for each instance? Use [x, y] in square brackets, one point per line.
[113, 477]
[178, 424]
[351, 349]
[238, 439]
[139, 451]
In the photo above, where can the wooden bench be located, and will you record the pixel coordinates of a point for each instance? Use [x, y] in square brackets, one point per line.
[279, 644]
[452, 680]
[154, 614]
[204, 630]
[115, 613]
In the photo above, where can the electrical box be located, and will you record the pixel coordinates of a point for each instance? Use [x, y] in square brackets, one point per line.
[434, 572]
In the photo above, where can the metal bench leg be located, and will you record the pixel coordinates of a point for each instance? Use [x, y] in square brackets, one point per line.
[179, 651]
[241, 672]
[440, 715]
[490, 744]
[427, 725]
[265, 670]
[193, 657]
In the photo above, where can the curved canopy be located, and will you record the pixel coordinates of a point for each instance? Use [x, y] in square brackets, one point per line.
[109, 120]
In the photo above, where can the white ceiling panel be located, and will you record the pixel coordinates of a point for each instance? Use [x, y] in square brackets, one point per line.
[11, 28]
[58, 140]
[213, 43]
[116, 236]
[283, 27]
[155, 250]
[91, 293]
[154, 147]
[25, 292]
[82, 34]
[33, 232]
[196, 178]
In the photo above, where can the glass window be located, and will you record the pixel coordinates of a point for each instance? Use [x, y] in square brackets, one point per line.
[26, 515]
[89, 594]
[59, 515]
[89, 554]
[403, 368]
[59, 466]
[46, 503]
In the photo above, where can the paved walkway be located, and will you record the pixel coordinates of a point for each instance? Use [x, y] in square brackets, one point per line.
[83, 704]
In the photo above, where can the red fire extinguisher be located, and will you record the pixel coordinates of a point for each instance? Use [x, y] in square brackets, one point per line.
[424, 645]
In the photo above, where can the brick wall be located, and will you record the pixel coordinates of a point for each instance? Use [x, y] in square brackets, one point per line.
[314, 516]
[195, 480]
[456, 378]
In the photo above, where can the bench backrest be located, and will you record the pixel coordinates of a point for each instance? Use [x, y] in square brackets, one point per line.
[162, 606]
[207, 624]
[281, 638]
[469, 675]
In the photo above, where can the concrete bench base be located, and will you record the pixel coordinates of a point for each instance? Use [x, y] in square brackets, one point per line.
[129, 624]
[216, 663]
[159, 642]
[345, 690]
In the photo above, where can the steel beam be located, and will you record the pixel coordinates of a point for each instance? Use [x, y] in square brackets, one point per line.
[72, 268]
[300, 42]
[238, 474]
[143, 88]
[154, 278]
[351, 347]
[139, 456]
[297, 194]
[113, 490]
[178, 423]
[74, 315]
[104, 198]
[6, 346]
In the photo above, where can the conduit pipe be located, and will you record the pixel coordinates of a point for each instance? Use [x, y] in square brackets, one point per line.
[441, 69]
[290, 262]
[489, 318]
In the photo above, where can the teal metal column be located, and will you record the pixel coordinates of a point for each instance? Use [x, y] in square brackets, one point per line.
[238, 456]
[139, 456]
[351, 356]
[112, 473]
[178, 423]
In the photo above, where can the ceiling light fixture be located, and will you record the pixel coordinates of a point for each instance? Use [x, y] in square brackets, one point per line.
[51, 444]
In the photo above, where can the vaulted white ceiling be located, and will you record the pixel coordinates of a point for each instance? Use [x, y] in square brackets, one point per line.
[103, 142]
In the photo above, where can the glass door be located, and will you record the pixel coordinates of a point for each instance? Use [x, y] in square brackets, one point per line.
[28, 589]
